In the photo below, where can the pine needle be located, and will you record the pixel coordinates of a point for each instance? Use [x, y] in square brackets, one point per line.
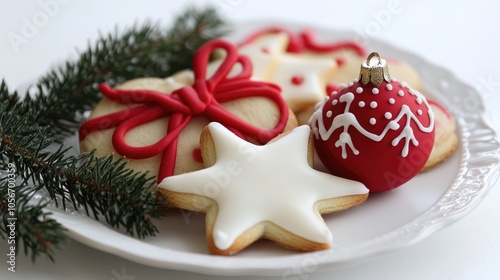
[32, 131]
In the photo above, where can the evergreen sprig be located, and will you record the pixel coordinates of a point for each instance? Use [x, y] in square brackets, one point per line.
[103, 187]
[31, 128]
[35, 231]
[59, 98]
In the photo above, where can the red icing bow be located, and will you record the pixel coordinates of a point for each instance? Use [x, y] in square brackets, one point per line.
[202, 98]
[305, 41]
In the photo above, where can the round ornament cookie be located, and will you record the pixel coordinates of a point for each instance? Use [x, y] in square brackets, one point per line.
[445, 140]
[249, 192]
[156, 123]
[375, 130]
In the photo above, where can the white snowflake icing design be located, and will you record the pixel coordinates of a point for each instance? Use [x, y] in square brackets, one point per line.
[271, 183]
[347, 119]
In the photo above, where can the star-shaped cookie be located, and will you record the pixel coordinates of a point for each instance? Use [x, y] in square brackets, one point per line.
[302, 77]
[263, 52]
[251, 192]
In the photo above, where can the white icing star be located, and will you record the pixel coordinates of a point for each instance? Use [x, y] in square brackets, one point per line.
[262, 51]
[272, 63]
[252, 184]
[313, 72]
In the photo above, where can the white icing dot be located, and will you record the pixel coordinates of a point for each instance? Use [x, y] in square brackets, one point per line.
[327, 98]
[329, 114]
[355, 80]
[361, 104]
[403, 84]
[373, 121]
[359, 90]
[412, 91]
[344, 137]
[419, 100]
[419, 112]
[393, 125]
[392, 79]
[334, 92]
[334, 101]
[392, 101]
[342, 86]
[373, 104]
[401, 92]
[388, 87]
[350, 84]
[388, 115]
[375, 91]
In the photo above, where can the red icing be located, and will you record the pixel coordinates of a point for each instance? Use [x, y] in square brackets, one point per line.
[265, 50]
[304, 41]
[379, 165]
[392, 60]
[438, 105]
[197, 155]
[340, 61]
[331, 87]
[202, 98]
[297, 80]
[311, 44]
[295, 44]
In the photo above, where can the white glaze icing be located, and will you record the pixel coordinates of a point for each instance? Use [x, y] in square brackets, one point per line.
[278, 66]
[348, 119]
[263, 61]
[274, 182]
[312, 88]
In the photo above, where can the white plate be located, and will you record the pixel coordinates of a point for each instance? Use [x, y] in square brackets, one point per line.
[385, 222]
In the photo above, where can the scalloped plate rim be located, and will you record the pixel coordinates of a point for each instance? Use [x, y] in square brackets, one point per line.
[355, 254]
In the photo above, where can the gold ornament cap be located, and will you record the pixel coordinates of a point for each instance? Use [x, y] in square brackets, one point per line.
[374, 69]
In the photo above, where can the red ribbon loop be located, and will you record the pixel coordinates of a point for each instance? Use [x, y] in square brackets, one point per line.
[305, 41]
[203, 97]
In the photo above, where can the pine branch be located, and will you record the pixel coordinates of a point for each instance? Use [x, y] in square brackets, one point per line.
[65, 93]
[25, 225]
[103, 187]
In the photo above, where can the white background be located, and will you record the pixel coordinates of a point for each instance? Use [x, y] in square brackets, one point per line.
[459, 35]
